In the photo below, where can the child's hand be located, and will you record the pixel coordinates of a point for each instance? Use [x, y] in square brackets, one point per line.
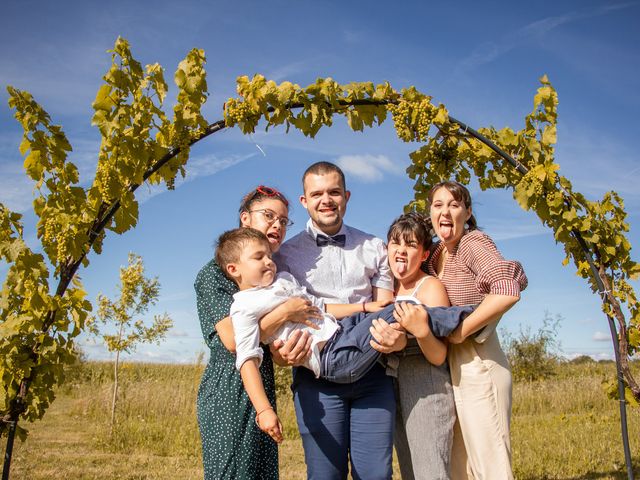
[269, 423]
[299, 310]
[413, 318]
[376, 306]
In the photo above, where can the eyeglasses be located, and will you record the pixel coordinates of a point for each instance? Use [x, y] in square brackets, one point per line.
[271, 217]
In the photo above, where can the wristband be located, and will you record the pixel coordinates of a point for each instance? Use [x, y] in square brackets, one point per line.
[364, 310]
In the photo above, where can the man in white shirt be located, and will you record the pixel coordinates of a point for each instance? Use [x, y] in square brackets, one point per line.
[340, 264]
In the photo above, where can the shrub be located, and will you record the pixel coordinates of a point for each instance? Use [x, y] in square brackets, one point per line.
[533, 355]
[582, 359]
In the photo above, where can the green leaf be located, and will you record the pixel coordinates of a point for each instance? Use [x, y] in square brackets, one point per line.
[550, 135]
[33, 165]
[25, 145]
[103, 100]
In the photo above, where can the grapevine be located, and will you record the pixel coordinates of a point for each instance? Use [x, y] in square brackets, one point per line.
[449, 151]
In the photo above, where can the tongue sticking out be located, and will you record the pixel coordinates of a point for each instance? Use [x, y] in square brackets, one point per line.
[446, 230]
[401, 267]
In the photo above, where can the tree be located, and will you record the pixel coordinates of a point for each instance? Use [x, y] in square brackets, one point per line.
[140, 143]
[137, 294]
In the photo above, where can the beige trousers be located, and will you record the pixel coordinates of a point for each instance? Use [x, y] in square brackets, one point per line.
[481, 380]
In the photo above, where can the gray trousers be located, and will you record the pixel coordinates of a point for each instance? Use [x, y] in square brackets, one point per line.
[425, 416]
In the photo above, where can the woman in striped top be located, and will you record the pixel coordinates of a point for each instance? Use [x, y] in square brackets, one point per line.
[473, 272]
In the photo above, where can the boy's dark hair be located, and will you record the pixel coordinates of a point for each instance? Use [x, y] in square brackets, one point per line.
[410, 226]
[230, 244]
[322, 168]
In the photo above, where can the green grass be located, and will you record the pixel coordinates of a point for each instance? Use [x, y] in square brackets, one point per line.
[562, 428]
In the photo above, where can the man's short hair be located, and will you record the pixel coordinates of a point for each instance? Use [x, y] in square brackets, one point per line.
[230, 244]
[322, 168]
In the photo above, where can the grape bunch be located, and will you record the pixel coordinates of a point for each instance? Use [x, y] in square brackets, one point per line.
[103, 180]
[412, 119]
[236, 112]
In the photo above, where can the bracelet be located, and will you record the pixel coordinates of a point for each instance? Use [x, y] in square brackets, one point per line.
[364, 310]
[261, 412]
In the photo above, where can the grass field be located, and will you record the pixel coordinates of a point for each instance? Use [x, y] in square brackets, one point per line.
[563, 427]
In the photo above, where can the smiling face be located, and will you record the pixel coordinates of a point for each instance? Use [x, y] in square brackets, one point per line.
[448, 216]
[326, 200]
[254, 267]
[406, 255]
[256, 218]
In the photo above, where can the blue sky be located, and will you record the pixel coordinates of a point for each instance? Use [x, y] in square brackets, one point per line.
[481, 59]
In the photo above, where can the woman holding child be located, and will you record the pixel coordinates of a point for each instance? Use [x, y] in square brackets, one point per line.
[233, 447]
[473, 272]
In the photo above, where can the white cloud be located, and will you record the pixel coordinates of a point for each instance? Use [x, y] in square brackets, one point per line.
[287, 71]
[368, 168]
[510, 231]
[201, 166]
[601, 337]
[603, 356]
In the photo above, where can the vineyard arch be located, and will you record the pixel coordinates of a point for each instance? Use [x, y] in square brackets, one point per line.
[158, 149]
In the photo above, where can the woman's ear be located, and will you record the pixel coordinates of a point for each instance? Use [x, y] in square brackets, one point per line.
[469, 213]
[245, 219]
[425, 255]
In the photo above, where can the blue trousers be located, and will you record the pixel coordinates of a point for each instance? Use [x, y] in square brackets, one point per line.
[348, 356]
[342, 424]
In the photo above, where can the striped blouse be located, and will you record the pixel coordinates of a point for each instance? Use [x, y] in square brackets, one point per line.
[476, 268]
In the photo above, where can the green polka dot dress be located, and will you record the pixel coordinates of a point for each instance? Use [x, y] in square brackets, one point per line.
[233, 447]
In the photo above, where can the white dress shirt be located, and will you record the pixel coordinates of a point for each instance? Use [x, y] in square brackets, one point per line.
[337, 274]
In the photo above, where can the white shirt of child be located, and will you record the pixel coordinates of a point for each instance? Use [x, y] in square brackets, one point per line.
[249, 306]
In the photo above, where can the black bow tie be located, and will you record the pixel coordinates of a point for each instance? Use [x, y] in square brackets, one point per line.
[323, 240]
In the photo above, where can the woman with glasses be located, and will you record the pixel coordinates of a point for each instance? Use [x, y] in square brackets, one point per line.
[233, 446]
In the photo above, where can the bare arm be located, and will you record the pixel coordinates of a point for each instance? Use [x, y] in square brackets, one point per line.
[295, 309]
[382, 294]
[415, 320]
[341, 310]
[490, 309]
[432, 294]
[266, 416]
[387, 338]
[225, 331]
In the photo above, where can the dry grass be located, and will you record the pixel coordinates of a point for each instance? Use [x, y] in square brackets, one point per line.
[563, 428]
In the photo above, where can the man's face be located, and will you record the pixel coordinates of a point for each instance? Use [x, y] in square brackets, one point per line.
[326, 201]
